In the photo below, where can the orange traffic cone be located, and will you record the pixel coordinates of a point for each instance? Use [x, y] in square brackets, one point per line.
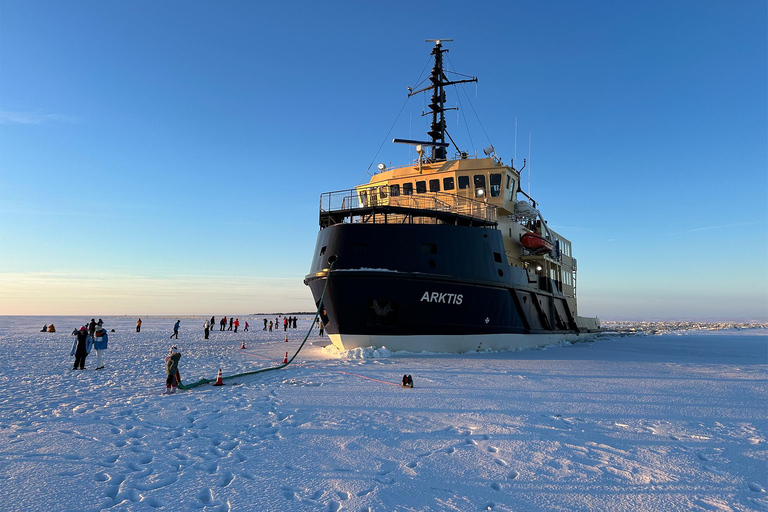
[286, 338]
[285, 359]
[219, 380]
[243, 346]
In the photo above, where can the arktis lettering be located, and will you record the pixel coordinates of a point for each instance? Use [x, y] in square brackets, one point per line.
[442, 298]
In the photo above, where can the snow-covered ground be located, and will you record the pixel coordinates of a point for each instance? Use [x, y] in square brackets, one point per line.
[672, 421]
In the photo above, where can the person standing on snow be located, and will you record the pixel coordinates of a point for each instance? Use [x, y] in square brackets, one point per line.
[265, 324]
[175, 330]
[173, 378]
[246, 326]
[138, 325]
[285, 323]
[92, 327]
[223, 323]
[100, 343]
[237, 323]
[80, 347]
[206, 329]
[231, 322]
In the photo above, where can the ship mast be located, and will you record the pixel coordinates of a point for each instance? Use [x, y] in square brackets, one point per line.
[437, 103]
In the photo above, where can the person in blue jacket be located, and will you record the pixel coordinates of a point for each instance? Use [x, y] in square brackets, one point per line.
[81, 347]
[175, 330]
[100, 346]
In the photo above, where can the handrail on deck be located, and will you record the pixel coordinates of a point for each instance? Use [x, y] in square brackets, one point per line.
[354, 201]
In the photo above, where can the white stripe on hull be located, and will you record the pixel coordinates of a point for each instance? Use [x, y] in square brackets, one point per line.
[454, 343]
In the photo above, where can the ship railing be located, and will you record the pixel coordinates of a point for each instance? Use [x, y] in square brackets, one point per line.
[368, 206]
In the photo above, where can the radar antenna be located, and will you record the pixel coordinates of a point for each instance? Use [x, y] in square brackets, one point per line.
[437, 103]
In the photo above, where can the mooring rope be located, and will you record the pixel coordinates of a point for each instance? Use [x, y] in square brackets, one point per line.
[282, 365]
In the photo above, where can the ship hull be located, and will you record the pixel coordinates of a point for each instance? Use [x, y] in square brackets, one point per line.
[436, 288]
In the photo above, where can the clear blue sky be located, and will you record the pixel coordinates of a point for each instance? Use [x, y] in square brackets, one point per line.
[168, 157]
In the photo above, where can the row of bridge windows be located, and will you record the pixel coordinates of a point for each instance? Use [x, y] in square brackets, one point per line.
[448, 184]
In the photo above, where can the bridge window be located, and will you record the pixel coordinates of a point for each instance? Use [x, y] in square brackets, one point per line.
[421, 187]
[434, 185]
[394, 190]
[407, 189]
[479, 185]
[383, 191]
[448, 183]
[463, 182]
[495, 185]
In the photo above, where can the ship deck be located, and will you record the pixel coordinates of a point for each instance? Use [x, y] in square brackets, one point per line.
[355, 206]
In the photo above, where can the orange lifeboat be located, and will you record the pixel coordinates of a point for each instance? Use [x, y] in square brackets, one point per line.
[535, 242]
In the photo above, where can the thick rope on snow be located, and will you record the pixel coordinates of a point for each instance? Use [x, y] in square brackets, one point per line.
[282, 365]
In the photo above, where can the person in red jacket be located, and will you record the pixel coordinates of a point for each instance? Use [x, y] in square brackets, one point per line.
[237, 323]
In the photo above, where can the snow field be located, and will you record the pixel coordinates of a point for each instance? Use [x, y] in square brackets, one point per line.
[675, 421]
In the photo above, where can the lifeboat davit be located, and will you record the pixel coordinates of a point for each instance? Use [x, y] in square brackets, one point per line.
[535, 242]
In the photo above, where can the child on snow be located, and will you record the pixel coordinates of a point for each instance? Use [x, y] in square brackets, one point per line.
[172, 370]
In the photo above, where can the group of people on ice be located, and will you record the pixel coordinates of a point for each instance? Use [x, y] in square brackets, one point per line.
[91, 336]
[234, 323]
[288, 322]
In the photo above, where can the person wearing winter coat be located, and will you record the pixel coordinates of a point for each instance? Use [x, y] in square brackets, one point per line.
[246, 326]
[206, 329]
[173, 378]
[237, 323]
[231, 322]
[81, 347]
[138, 325]
[51, 328]
[100, 346]
[175, 330]
[92, 327]
[222, 323]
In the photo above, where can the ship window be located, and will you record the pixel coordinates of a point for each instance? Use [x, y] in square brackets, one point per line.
[383, 191]
[434, 185]
[463, 182]
[322, 251]
[364, 198]
[394, 190]
[421, 187]
[448, 183]
[495, 185]
[407, 189]
[479, 185]
[497, 257]
[374, 196]
[509, 181]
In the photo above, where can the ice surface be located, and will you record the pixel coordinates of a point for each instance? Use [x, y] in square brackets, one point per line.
[671, 421]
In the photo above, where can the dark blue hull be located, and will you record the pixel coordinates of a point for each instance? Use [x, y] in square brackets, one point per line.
[423, 283]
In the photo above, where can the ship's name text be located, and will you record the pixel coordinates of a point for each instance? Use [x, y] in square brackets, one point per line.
[442, 298]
